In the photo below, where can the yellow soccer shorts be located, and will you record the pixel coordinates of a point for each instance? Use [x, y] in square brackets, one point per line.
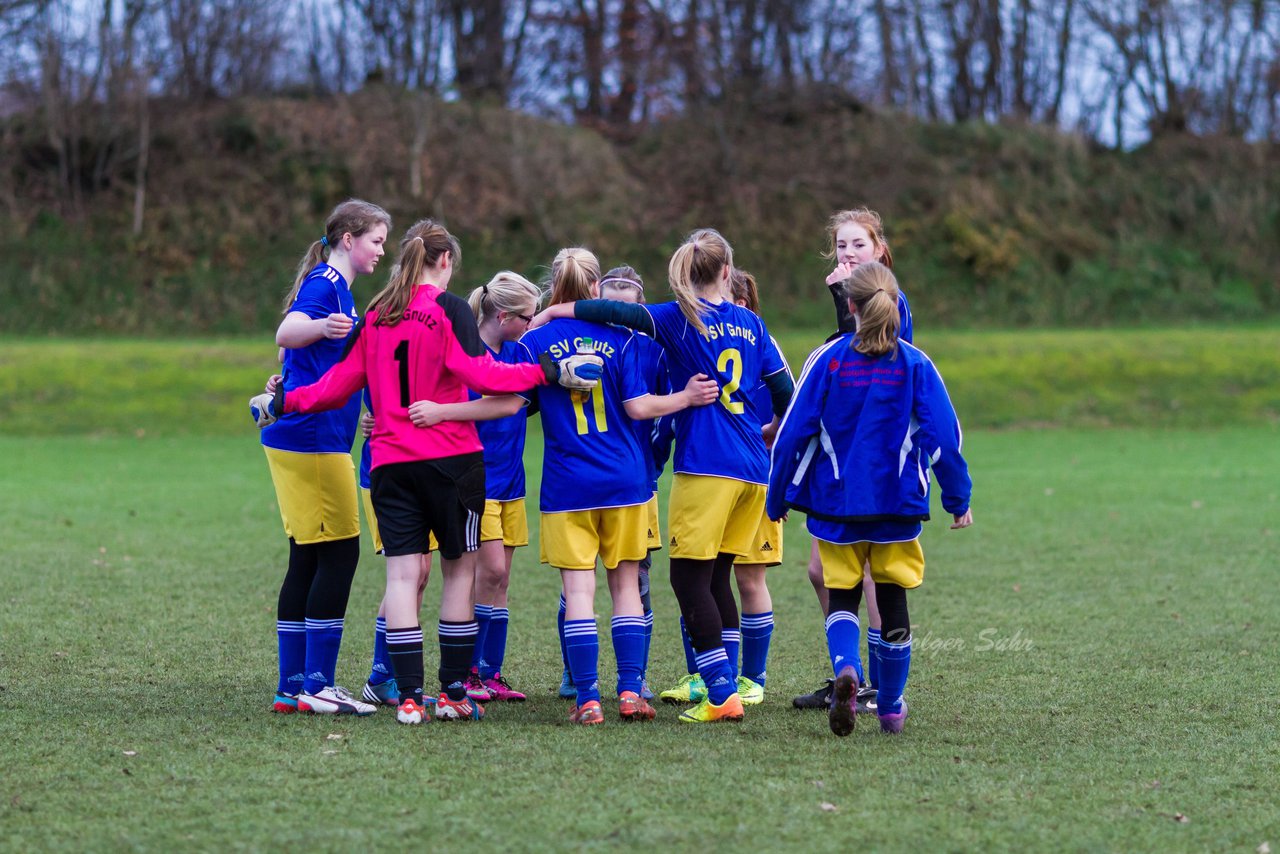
[895, 563]
[506, 521]
[653, 532]
[573, 539]
[766, 548]
[317, 495]
[710, 515]
[366, 498]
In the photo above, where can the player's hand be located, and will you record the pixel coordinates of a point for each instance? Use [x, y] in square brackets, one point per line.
[963, 521]
[581, 371]
[272, 382]
[366, 424]
[839, 274]
[337, 325]
[260, 409]
[769, 432]
[701, 390]
[426, 413]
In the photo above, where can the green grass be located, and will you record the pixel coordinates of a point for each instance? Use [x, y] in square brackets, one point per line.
[1129, 572]
[1184, 377]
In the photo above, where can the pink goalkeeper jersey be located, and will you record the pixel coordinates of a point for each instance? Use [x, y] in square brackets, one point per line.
[434, 353]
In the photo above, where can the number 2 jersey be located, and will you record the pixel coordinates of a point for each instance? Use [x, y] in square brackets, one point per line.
[434, 353]
[593, 459]
[723, 438]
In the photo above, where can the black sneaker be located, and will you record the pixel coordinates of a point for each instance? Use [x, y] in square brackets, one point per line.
[820, 699]
[866, 700]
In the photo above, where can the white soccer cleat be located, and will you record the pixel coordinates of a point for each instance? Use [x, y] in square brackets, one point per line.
[334, 700]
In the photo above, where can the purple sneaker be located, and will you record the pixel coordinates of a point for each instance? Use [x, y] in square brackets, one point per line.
[892, 724]
[844, 695]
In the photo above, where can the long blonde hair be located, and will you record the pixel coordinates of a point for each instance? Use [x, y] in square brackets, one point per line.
[573, 272]
[421, 249]
[506, 291]
[698, 263]
[873, 290]
[868, 219]
[354, 217]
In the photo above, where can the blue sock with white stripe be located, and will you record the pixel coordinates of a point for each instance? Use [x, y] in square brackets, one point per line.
[483, 614]
[842, 641]
[582, 646]
[564, 654]
[873, 657]
[381, 670]
[757, 631]
[716, 672]
[628, 648]
[291, 640]
[495, 643]
[648, 643]
[895, 663]
[731, 639]
[691, 665]
[324, 637]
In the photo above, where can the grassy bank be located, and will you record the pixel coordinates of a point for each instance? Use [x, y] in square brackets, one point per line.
[1189, 378]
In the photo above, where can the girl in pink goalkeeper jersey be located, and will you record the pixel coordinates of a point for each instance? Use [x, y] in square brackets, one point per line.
[418, 342]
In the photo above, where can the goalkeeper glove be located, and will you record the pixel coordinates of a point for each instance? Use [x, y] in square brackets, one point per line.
[581, 371]
[260, 408]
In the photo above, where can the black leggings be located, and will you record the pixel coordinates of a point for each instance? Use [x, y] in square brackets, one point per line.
[895, 623]
[704, 590]
[318, 581]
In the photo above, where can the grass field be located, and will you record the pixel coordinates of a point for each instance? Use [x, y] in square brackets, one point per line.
[1095, 664]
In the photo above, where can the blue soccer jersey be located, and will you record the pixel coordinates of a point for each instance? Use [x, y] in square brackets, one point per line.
[366, 456]
[592, 458]
[503, 440]
[653, 368]
[323, 292]
[721, 439]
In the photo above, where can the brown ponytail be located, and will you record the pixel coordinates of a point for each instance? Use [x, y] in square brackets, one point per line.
[421, 249]
[354, 217]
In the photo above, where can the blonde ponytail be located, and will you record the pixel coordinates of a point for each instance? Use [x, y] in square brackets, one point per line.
[873, 291]
[698, 264]
[573, 272]
[506, 291]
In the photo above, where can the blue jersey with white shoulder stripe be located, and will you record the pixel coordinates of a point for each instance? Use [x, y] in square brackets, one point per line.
[323, 292]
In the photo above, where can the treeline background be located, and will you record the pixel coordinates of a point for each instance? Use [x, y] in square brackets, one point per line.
[1038, 163]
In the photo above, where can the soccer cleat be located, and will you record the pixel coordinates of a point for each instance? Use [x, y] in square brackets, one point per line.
[334, 700]
[476, 689]
[383, 694]
[285, 704]
[751, 692]
[567, 691]
[587, 714]
[410, 712]
[646, 693]
[458, 710]
[844, 697]
[708, 712]
[690, 689]
[820, 699]
[892, 724]
[500, 690]
[867, 700]
[633, 707]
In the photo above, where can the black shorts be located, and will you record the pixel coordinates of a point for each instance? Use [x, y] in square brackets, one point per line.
[444, 497]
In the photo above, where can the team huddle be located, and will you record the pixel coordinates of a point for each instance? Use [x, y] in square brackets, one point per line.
[621, 388]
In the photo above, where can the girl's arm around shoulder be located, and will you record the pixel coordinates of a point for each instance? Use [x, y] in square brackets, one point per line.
[335, 388]
[699, 391]
[426, 413]
[468, 359]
